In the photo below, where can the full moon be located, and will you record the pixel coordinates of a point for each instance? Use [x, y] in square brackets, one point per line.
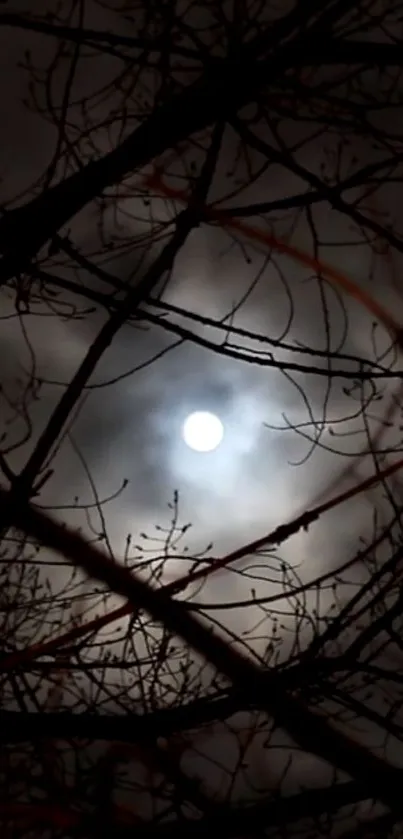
[203, 431]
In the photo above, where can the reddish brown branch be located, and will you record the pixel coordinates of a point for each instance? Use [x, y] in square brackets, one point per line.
[275, 537]
[309, 730]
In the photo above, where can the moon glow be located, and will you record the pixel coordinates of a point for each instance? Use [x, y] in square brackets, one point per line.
[203, 431]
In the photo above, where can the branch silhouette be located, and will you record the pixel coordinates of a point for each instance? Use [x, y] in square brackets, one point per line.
[310, 730]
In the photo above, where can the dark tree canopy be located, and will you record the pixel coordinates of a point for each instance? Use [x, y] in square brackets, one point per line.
[201, 210]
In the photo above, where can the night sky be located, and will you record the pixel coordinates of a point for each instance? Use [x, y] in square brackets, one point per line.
[288, 434]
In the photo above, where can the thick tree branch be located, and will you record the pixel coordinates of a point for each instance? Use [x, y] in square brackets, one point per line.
[309, 730]
[186, 221]
[94, 37]
[216, 95]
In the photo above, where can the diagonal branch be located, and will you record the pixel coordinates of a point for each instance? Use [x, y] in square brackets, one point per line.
[307, 199]
[275, 537]
[353, 53]
[92, 37]
[219, 93]
[108, 302]
[186, 221]
[210, 98]
[330, 194]
[310, 730]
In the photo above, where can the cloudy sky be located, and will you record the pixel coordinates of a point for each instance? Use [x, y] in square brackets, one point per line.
[129, 427]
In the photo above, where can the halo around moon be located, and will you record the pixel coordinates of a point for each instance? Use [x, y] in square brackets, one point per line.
[203, 431]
